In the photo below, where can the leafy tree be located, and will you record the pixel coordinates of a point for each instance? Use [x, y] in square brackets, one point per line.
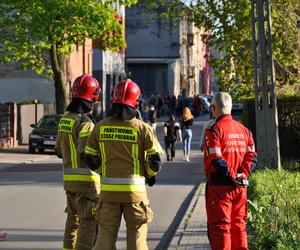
[229, 33]
[41, 34]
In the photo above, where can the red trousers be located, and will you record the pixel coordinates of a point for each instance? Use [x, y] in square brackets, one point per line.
[226, 208]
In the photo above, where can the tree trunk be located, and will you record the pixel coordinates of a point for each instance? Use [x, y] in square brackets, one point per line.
[58, 67]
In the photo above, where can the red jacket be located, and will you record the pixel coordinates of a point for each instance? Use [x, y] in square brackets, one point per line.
[228, 142]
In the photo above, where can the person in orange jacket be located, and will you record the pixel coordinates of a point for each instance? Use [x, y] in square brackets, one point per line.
[229, 158]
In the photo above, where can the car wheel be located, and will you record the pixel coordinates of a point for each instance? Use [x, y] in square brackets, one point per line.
[31, 149]
[41, 150]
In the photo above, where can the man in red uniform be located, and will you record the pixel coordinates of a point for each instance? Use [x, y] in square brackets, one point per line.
[229, 158]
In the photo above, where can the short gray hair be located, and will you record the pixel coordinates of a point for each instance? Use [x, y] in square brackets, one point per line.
[223, 101]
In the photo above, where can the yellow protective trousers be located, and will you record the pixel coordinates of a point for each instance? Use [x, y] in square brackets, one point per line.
[80, 230]
[136, 216]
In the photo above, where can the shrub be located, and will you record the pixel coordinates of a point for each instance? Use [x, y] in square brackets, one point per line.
[274, 209]
[291, 166]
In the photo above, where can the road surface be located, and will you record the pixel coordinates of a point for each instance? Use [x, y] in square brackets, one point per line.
[32, 200]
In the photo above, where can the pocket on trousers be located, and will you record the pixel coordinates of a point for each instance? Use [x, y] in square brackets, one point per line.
[87, 206]
[147, 212]
[150, 214]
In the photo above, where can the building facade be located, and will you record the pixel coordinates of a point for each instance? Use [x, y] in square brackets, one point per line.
[109, 67]
[166, 57]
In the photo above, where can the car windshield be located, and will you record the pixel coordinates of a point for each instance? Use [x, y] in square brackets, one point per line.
[49, 122]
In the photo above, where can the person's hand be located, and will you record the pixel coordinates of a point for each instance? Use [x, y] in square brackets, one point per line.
[151, 181]
[241, 176]
[241, 180]
[180, 139]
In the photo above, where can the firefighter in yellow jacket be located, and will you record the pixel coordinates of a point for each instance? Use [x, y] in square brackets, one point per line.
[131, 156]
[81, 185]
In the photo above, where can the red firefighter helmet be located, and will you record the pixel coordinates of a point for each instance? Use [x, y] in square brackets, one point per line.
[127, 92]
[86, 87]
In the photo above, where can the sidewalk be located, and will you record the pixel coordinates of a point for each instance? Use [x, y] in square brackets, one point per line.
[188, 229]
[192, 231]
[10, 158]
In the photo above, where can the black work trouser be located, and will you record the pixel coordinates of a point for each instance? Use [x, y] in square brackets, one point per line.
[170, 147]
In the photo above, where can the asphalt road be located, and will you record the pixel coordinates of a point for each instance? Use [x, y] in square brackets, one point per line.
[32, 201]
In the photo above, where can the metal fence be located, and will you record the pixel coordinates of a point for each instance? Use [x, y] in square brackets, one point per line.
[6, 120]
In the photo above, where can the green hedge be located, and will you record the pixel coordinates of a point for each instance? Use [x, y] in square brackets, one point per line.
[289, 123]
[274, 209]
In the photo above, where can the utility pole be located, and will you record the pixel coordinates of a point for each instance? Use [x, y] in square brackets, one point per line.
[264, 78]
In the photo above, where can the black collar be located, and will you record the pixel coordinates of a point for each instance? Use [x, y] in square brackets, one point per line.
[80, 106]
[123, 112]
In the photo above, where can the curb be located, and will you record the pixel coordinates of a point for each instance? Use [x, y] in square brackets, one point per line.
[11, 164]
[181, 230]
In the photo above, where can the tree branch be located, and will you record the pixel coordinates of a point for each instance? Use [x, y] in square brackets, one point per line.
[282, 67]
[54, 59]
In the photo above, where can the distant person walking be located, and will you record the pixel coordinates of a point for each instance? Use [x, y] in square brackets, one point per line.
[196, 105]
[152, 117]
[186, 126]
[159, 105]
[180, 105]
[172, 104]
[142, 108]
[172, 132]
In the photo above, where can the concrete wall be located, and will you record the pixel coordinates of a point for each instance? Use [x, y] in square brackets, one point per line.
[26, 85]
[108, 68]
[157, 44]
[150, 38]
[26, 116]
[174, 77]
